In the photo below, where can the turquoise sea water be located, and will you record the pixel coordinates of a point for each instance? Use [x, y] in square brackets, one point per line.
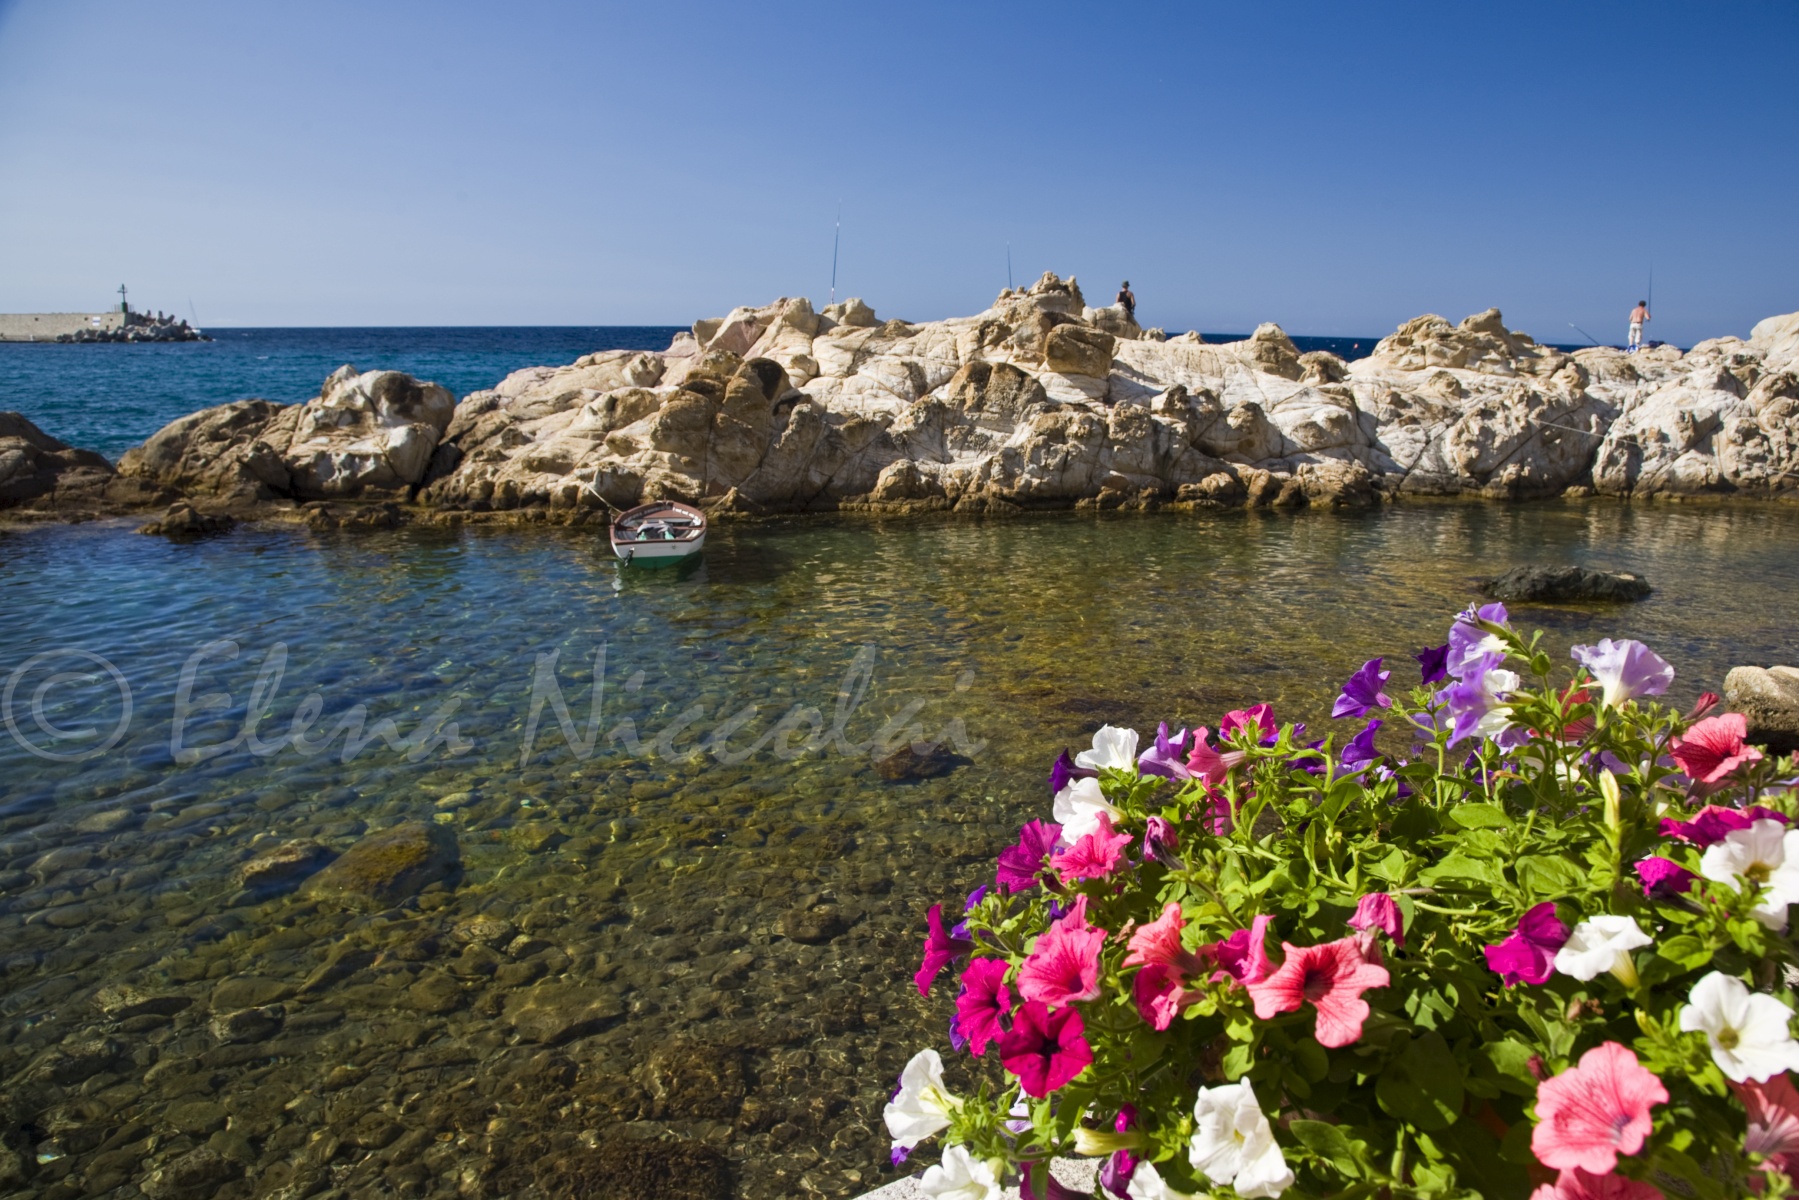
[713, 909]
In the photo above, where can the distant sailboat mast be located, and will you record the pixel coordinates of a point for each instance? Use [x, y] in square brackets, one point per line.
[836, 239]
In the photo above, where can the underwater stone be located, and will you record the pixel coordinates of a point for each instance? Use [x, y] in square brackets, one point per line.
[386, 868]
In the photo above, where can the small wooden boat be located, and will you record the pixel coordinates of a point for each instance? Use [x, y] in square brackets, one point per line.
[661, 532]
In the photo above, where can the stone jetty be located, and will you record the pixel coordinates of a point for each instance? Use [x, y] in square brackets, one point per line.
[1039, 401]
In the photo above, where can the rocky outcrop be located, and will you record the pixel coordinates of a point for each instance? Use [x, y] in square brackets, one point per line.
[1037, 401]
[42, 476]
[1566, 585]
[367, 434]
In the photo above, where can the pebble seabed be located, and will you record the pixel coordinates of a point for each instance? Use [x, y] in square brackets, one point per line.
[679, 966]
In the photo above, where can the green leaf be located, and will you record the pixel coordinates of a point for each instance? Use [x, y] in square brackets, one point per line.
[1550, 875]
[1456, 865]
[1479, 816]
[1330, 1143]
[1685, 951]
[1311, 1059]
[1237, 1061]
[1423, 1086]
[1390, 866]
[1510, 1060]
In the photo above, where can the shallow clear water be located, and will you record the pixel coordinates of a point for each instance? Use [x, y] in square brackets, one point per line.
[729, 918]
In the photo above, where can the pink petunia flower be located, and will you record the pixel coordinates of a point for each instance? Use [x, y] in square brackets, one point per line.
[1064, 965]
[1261, 716]
[1712, 822]
[1378, 910]
[1583, 1185]
[1591, 1113]
[1714, 748]
[1044, 1049]
[1159, 942]
[939, 949]
[1528, 955]
[1161, 842]
[1331, 978]
[1094, 856]
[1160, 995]
[1241, 956]
[984, 1000]
[1773, 1132]
[1208, 764]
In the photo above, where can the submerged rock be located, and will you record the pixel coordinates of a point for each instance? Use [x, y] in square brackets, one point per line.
[284, 865]
[183, 520]
[1565, 585]
[386, 868]
[196, 1174]
[553, 1013]
[1769, 701]
[917, 760]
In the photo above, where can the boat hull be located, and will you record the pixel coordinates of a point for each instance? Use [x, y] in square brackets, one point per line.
[649, 554]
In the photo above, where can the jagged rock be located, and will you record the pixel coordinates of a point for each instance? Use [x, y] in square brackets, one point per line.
[1565, 585]
[1037, 401]
[386, 868]
[1768, 698]
[38, 471]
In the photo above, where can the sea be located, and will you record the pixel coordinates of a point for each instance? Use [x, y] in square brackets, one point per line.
[109, 397]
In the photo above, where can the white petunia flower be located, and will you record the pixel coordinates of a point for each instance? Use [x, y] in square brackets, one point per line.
[1496, 685]
[961, 1176]
[923, 1105]
[1624, 670]
[1233, 1143]
[1602, 943]
[1147, 1184]
[1078, 807]
[1766, 853]
[1748, 1031]
[1113, 746]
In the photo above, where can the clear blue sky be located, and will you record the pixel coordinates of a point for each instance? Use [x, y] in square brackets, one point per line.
[1337, 168]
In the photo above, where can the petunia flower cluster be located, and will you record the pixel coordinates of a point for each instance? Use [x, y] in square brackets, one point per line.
[1525, 933]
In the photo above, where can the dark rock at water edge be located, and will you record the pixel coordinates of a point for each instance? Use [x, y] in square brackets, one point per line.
[1769, 701]
[1565, 585]
[387, 868]
[183, 521]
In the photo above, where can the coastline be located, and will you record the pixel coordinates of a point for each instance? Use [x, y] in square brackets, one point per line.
[1038, 403]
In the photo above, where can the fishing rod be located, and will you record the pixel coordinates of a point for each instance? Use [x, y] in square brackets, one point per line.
[1583, 333]
[1008, 266]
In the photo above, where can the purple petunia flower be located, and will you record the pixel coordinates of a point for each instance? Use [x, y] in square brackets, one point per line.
[1469, 643]
[1475, 703]
[1363, 691]
[1167, 757]
[1115, 1175]
[1065, 770]
[1160, 842]
[1433, 662]
[1624, 670]
[1020, 865]
[1360, 751]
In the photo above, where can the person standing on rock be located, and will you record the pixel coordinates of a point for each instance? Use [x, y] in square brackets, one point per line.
[1638, 315]
[1127, 301]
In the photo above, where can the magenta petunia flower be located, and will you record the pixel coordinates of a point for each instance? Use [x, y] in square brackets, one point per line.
[1044, 1049]
[939, 949]
[1378, 910]
[1712, 822]
[1064, 965]
[1714, 748]
[1094, 856]
[1331, 978]
[1363, 691]
[1159, 943]
[1242, 956]
[1161, 842]
[1528, 955]
[1663, 876]
[1591, 1113]
[1165, 757]
[1020, 865]
[1433, 662]
[1261, 716]
[983, 1001]
[1583, 1185]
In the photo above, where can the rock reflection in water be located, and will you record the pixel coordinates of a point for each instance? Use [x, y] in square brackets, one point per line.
[443, 966]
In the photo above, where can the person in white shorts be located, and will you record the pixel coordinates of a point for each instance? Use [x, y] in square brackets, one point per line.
[1638, 315]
